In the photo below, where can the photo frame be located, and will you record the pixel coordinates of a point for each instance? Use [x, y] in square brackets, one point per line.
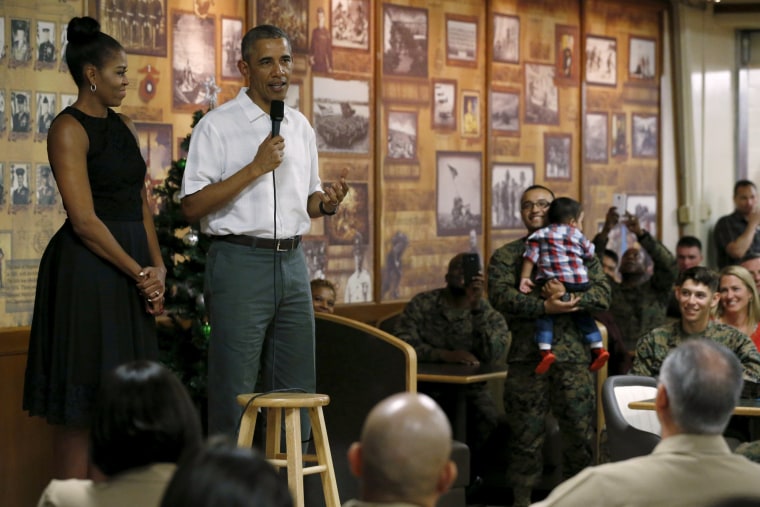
[558, 156]
[508, 182]
[601, 60]
[21, 114]
[2, 184]
[232, 37]
[645, 135]
[644, 206]
[443, 112]
[458, 193]
[350, 24]
[67, 99]
[461, 40]
[341, 114]
[46, 191]
[505, 112]
[140, 35]
[506, 38]
[193, 40]
[46, 53]
[3, 43]
[595, 137]
[315, 251]
[618, 136]
[351, 225]
[3, 111]
[21, 43]
[642, 58]
[470, 113]
[21, 194]
[46, 111]
[291, 15]
[567, 54]
[294, 97]
[405, 41]
[402, 131]
[62, 66]
[156, 141]
[541, 95]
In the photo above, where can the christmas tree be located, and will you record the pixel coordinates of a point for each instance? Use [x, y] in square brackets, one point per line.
[183, 332]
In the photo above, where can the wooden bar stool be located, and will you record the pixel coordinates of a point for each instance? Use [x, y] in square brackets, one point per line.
[292, 459]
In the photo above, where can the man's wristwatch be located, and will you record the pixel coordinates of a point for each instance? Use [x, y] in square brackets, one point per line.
[324, 211]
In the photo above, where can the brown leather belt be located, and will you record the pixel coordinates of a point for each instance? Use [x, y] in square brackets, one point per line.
[279, 244]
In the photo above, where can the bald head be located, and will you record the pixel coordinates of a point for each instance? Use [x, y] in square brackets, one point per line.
[404, 451]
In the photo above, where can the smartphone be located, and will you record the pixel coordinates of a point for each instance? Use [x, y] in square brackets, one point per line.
[619, 201]
[470, 267]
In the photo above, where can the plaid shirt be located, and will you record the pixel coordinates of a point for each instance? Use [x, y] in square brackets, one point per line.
[558, 251]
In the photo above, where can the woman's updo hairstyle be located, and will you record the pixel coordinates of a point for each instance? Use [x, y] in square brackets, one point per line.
[87, 45]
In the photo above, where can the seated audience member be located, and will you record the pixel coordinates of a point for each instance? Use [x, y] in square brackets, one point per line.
[751, 263]
[226, 476]
[610, 261]
[455, 324]
[403, 457]
[144, 423]
[739, 305]
[620, 360]
[698, 388]
[736, 234]
[639, 302]
[697, 293]
[323, 295]
[688, 255]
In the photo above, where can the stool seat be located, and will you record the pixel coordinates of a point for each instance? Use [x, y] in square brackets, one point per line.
[292, 459]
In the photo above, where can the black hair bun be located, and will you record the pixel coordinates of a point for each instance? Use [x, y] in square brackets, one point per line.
[83, 30]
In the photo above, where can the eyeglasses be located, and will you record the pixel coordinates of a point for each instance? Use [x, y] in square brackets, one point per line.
[540, 204]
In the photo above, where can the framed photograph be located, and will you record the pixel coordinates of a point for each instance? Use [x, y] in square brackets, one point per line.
[62, 67]
[341, 114]
[470, 113]
[156, 149]
[595, 140]
[320, 51]
[3, 43]
[350, 21]
[642, 58]
[315, 251]
[46, 111]
[402, 136]
[293, 96]
[505, 112]
[645, 209]
[193, 65]
[508, 182]
[46, 190]
[405, 41]
[601, 60]
[21, 45]
[558, 156]
[567, 54]
[618, 139]
[142, 31]
[443, 112]
[291, 15]
[21, 194]
[541, 95]
[351, 225]
[21, 112]
[458, 193]
[232, 36]
[2, 187]
[67, 99]
[506, 38]
[47, 52]
[2, 111]
[461, 40]
[644, 135]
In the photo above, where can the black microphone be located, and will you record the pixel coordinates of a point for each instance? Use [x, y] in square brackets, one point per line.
[277, 113]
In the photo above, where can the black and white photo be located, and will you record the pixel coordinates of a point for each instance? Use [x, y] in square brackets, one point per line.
[46, 111]
[139, 25]
[402, 136]
[458, 193]
[20, 191]
[232, 37]
[595, 140]
[619, 139]
[461, 40]
[601, 60]
[47, 53]
[508, 182]
[350, 24]
[290, 15]
[341, 115]
[21, 113]
[506, 38]
[193, 65]
[642, 59]
[21, 45]
[405, 41]
[444, 104]
[541, 95]
[558, 161]
[505, 112]
[46, 191]
[644, 135]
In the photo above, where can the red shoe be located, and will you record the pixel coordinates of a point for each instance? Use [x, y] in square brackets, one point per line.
[547, 358]
[600, 360]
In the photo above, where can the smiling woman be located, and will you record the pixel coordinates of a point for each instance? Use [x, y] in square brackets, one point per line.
[739, 303]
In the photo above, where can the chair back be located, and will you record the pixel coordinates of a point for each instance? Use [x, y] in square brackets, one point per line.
[630, 432]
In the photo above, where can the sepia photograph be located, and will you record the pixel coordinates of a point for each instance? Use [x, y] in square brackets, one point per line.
[470, 113]
[315, 251]
[46, 111]
[3, 43]
[402, 136]
[508, 182]
[461, 40]
[21, 113]
[601, 60]
[46, 52]
[2, 111]
[558, 160]
[293, 95]
[62, 67]
[645, 209]
[506, 39]
[595, 140]
[232, 37]
[21, 194]
[644, 134]
[458, 193]
[505, 112]
[405, 41]
[2, 195]
[21, 45]
[320, 51]
[350, 21]
[567, 53]
[290, 15]
[541, 95]
[618, 139]
[341, 115]
[352, 222]
[139, 25]
[47, 191]
[156, 149]
[444, 104]
[642, 59]
[193, 65]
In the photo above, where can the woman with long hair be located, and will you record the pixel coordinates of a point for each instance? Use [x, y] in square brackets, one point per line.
[739, 303]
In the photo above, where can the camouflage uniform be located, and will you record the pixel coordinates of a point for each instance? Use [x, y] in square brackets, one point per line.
[655, 345]
[430, 325]
[567, 389]
[637, 310]
[750, 450]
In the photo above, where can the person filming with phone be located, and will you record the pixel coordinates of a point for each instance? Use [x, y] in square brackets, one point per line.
[455, 324]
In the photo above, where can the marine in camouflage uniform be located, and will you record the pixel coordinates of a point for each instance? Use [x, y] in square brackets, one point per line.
[456, 324]
[567, 389]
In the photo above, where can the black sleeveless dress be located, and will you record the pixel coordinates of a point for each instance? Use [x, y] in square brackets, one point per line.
[89, 316]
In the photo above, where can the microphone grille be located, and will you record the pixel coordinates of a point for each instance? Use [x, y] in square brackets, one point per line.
[277, 110]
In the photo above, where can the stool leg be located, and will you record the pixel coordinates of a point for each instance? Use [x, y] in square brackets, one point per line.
[324, 456]
[294, 453]
[274, 419]
[247, 427]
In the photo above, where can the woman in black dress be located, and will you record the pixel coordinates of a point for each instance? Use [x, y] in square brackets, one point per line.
[101, 278]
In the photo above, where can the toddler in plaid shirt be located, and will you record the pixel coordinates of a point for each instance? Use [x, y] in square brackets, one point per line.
[558, 251]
